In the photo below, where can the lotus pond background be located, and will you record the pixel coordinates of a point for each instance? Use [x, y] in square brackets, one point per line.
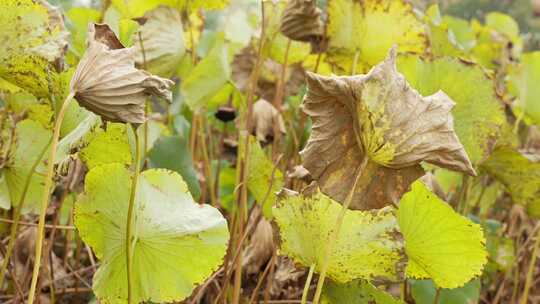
[273, 176]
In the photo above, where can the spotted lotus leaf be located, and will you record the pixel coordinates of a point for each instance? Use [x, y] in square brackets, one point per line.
[370, 28]
[377, 128]
[369, 245]
[33, 37]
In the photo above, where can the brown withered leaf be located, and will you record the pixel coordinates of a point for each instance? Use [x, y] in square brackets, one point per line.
[260, 248]
[266, 119]
[162, 41]
[301, 20]
[378, 124]
[107, 83]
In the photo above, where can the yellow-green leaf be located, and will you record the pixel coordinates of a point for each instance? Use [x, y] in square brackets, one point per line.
[368, 245]
[440, 243]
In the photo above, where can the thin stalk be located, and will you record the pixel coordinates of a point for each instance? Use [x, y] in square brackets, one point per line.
[17, 216]
[355, 62]
[404, 290]
[437, 296]
[45, 197]
[335, 232]
[530, 271]
[255, 292]
[207, 165]
[308, 283]
[146, 106]
[131, 207]
[243, 159]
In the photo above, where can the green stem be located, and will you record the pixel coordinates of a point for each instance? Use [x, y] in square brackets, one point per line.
[334, 234]
[530, 271]
[307, 284]
[129, 228]
[17, 216]
[45, 197]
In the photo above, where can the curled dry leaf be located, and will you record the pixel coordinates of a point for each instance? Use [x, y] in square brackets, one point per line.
[301, 21]
[379, 128]
[301, 173]
[162, 41]
[260, 247]
[107, 83]
[266, 120]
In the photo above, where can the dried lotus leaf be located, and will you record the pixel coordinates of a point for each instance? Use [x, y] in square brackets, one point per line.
[266, 120]
[107, 83]
[301, 21]
[376, 127]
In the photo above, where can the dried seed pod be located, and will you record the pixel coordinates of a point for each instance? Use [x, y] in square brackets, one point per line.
[265, 118]
[107, 83]
[162, 44]
[226, 113]
[301, 21]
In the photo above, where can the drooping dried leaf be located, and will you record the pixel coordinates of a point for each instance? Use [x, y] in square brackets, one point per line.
[266, 120]
[478, 114]
[301, 21]
[260, 247]
[107, 83]
[162, 41]
[377, 116]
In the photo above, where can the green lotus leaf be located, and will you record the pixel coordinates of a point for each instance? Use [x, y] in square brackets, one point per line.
[172, 152]
[519, 175]
[107, 146]
[77, 138]
[356, 292]
[424, 291]
[30, 145]
[179, 242]
[370, 28]
[208, 76]
[24, 103]
[260, 177]
[523, 82]
[440, 243]
[369, 245]
[79, 18]
[478, 114]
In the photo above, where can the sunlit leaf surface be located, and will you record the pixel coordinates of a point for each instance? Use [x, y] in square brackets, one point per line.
[369, 245]
[177, 243]
[440, 243]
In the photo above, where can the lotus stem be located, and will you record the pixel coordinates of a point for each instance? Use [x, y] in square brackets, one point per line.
[129, 228]
[530, 271]
[334, 234]
[46, 195]
[308, 283]
[17, 216]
